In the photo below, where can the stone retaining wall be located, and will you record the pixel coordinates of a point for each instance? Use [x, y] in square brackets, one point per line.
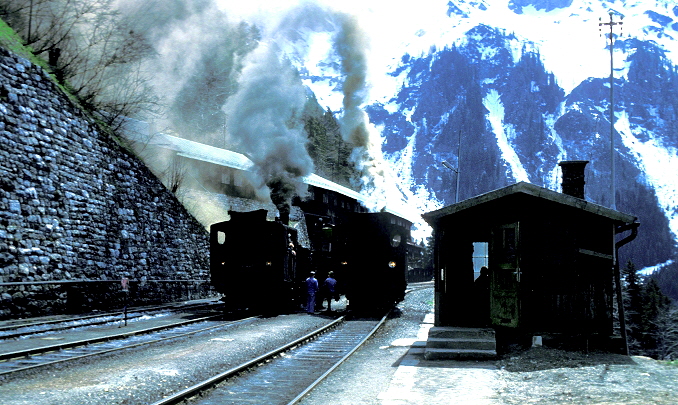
[74, 205]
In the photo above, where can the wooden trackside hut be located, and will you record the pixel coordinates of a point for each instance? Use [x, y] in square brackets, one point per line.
[551, 260]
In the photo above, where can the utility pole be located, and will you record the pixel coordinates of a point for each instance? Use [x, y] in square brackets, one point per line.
[613, 204]
[456, 190]
[456, 170]
[612, 23]
[449, 166]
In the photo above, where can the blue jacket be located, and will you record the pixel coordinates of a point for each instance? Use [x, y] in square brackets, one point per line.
[329, 284]
[311, 285]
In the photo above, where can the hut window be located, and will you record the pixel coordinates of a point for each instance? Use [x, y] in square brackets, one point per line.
[480, 257]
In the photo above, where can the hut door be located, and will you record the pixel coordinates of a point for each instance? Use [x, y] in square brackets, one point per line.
[505, 275]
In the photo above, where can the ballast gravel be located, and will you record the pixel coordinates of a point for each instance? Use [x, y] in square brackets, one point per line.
[147, 374]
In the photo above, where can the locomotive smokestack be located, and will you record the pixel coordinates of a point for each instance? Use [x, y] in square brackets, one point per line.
[284, 210]
[573, 177]
[281, 194]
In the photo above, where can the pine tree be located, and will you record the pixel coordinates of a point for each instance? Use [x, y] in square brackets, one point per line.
[651, 322]
[653, 305]
[632, 307]
[330, 154]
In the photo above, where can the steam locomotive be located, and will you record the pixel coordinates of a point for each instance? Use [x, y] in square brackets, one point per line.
[259, 264]
[253, 262]
[372, 254]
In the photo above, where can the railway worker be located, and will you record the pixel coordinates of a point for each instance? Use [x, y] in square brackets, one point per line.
[311, 290]
[329, 287]
[482, 297]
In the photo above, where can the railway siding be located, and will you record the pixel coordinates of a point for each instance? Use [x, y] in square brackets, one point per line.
[147, 375]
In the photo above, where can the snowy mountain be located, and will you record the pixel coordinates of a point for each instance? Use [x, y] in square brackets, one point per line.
[504, 90]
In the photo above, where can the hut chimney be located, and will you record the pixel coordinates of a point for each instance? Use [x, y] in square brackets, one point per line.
[573, 177]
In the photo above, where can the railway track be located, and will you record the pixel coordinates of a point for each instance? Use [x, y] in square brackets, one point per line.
[284, 375]
[13, 362]
[21, 328]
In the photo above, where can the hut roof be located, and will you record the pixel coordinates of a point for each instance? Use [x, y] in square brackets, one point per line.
[530, 190]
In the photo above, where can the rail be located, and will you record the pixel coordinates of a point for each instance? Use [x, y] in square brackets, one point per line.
[86, 295]
[195, 389]
[311, 346]
[84, 281]
[14, 362]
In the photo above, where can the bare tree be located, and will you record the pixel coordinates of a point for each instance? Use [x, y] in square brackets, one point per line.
[667, 333]
[175, 174]
[92, 51]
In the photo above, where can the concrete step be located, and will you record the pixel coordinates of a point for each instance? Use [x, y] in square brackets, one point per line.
[453, 332]
[465, 343]
[459, 354]
[460, 343]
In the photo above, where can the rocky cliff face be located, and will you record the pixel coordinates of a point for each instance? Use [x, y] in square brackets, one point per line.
[76, 206]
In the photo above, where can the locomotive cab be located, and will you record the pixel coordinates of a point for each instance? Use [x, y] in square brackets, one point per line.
[253, 262]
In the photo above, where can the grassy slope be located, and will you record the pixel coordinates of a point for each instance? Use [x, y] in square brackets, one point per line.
[11, 41]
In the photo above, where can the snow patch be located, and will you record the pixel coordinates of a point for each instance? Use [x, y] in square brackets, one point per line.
[419, 199]
[504, 133]
[552, 180]
[658, 162]
[647, 271]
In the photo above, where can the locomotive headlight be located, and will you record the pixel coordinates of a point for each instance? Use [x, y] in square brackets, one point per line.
[268, 264]
[395, 239]
[344, 263]
[392, 264]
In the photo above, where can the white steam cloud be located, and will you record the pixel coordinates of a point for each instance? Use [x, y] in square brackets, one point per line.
[261, 117]
[232, 84]
[352, 46]
[270, 95]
